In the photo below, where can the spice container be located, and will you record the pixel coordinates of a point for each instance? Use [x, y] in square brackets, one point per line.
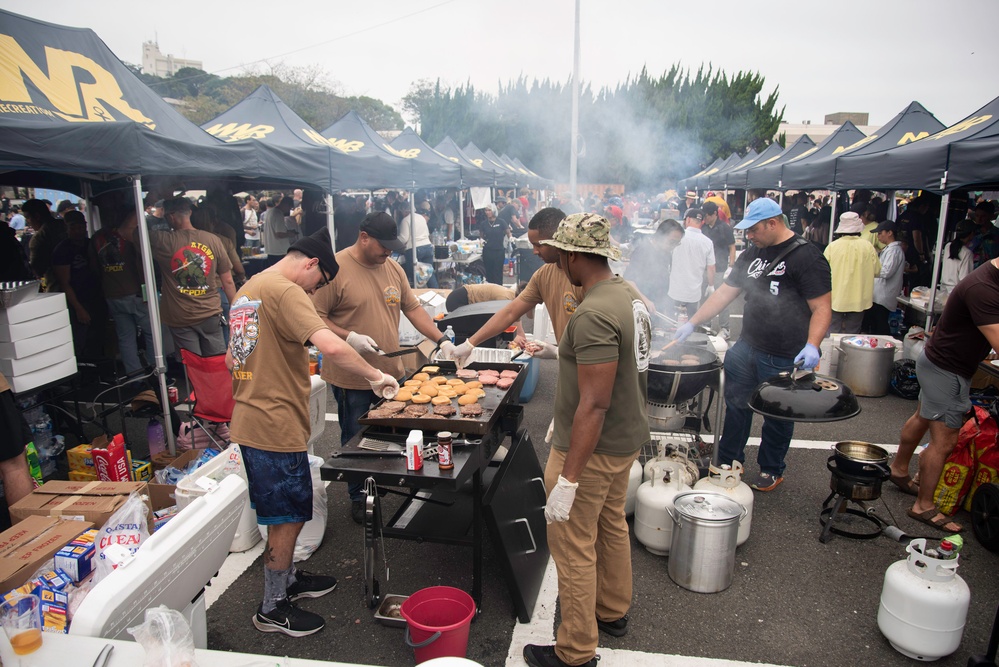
[445, 461]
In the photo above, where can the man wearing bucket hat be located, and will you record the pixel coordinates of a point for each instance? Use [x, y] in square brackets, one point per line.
[271, 322]
[600, 426]
[787, 285]
[854, 264]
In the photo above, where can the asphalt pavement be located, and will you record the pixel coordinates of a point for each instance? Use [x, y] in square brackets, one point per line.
[793, 601]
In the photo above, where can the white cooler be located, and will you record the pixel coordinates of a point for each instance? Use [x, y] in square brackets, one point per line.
[188, 490]
[172, 568]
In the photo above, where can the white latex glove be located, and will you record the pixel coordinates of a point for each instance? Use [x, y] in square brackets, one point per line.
[560, 500]
[709, 290]
[361, 343]
[386, 387]
[542, 350]
[551, 432]
[447, 350]
[462, 353]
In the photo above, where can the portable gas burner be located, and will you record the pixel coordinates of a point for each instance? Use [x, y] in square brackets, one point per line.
[858, 488]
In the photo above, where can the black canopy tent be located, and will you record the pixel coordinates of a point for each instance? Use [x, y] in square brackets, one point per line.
[963, 155]
[690, 183]
[819, 173]
[72, 111]
[703, 181]
[518, 178]
[539, 181]
[758, 175]
[771, 175]
[449, 149]
[719, 180]
[504, 177]
[735, 178]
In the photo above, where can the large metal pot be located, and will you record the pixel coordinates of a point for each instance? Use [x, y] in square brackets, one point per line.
[861, 459]
[866, 369]
[803, 396]
[705, 534]
[671, 381]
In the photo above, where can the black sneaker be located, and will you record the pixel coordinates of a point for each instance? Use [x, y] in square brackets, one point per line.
[310, 586]
[357, 511]
[545, 656]
[618, 628]
[289, 619]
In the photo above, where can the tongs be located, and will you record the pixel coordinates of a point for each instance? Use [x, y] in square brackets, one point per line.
[397, 353]
[676, 324]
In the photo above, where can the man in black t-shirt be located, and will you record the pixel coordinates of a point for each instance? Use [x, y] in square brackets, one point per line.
[788, 310]
[796, 214]
[967, 331]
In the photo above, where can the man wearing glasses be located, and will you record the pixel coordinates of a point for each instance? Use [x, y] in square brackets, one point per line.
[272, 321]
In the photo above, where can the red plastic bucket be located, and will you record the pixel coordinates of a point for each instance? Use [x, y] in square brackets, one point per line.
[437, 622]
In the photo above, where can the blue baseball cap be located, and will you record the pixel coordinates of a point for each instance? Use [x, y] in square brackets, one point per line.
[763, 208]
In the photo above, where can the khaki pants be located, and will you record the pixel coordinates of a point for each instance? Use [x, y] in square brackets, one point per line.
[592, 553]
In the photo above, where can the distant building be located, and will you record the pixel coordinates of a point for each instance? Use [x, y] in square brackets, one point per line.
[840, 117]
[154, 62]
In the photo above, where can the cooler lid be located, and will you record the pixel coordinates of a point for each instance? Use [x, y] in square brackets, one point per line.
[707, 506]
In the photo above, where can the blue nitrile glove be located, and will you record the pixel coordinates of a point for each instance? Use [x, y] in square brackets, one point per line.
[809, 356]
[683, 333]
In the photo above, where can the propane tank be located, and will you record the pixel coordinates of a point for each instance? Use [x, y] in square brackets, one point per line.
[924, 604]
[634, 481]
[653, 524]
[728, 480]
[679, 464]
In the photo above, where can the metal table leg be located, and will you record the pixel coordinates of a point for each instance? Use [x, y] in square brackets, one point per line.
[477, 540]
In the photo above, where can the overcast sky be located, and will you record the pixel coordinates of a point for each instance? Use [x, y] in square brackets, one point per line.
[849, 55]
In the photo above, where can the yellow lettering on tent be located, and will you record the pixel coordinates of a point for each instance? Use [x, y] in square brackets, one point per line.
[710, 171]
[409, 153]
[72, 100]
[909, 137]
[856, 144]
[768, 161]
[453, 159]
[962, 126]
[477, 162]
[238, 132]
[345, 146]
[805, 154]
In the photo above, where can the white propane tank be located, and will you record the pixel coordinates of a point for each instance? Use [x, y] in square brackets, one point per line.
[653, 524]
[634, 481]
[680, 466]
[728, 480]
[924, 604]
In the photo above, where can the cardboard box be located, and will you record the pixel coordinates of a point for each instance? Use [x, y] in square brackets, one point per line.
[29, 381]
[142, 471]
[31, 542]
[83, 475]
[89, 501]
[45, 303]
[36, 327]
[34, 362]
[29, 346]
[76, 560]
[162, 496]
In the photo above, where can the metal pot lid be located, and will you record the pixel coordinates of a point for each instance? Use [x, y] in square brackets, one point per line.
[707, 506]
[803, 396]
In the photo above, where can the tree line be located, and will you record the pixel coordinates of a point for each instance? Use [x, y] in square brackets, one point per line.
[644, 133]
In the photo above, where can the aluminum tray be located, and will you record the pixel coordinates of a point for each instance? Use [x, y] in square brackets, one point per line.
[492, 404]
[381, 614]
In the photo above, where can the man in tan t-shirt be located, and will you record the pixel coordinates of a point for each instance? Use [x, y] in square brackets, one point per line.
[272, 322]
[363, 305]
[192, 265]
[548, 286]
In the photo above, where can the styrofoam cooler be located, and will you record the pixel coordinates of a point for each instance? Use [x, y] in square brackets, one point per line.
[171, 568]
[189, 490]
[317, 411]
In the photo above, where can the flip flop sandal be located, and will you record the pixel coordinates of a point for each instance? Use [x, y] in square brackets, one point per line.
[905, 484]
[928, 516]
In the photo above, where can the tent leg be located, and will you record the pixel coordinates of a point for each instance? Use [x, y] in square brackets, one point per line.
[461, 214]
[941, 226]
[832, 215]
[412, 230]
[892, 205]
[329, 218]
[154, 313]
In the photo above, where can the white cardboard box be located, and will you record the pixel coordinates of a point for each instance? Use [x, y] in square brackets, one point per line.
[34, 362]
[35, 327]
[29, 381]
[29, 346]
[38, 306]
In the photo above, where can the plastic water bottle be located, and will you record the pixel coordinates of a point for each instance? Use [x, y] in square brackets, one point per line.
[449, 333]
[156, 437]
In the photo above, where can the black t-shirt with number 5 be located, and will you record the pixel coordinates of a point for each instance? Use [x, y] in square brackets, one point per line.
[776, 316]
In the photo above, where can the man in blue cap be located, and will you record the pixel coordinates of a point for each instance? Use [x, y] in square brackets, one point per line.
[787, 284]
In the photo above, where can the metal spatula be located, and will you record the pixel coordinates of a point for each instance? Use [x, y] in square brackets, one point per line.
[381, 446]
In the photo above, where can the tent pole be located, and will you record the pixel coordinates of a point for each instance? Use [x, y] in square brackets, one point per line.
[153, 304]
[92, 214]
[892, 205]
[412, 230]
[329, 218]
[832, 215]
[941, 226]
[461, 214]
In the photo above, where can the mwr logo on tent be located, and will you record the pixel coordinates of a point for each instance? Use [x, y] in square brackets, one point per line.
[76, 88]
[231, 132]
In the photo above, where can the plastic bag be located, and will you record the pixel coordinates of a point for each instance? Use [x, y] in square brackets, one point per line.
[955, 479]
[126, 529]
[311, 536]
[166, 638]
[986, 454]
[190, 436]
[903, 380]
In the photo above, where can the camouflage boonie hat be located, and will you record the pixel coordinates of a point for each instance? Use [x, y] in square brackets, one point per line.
[585, 232]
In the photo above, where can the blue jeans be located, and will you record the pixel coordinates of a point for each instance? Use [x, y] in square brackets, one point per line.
[131, 314]
[351, 404]
[745, 368]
